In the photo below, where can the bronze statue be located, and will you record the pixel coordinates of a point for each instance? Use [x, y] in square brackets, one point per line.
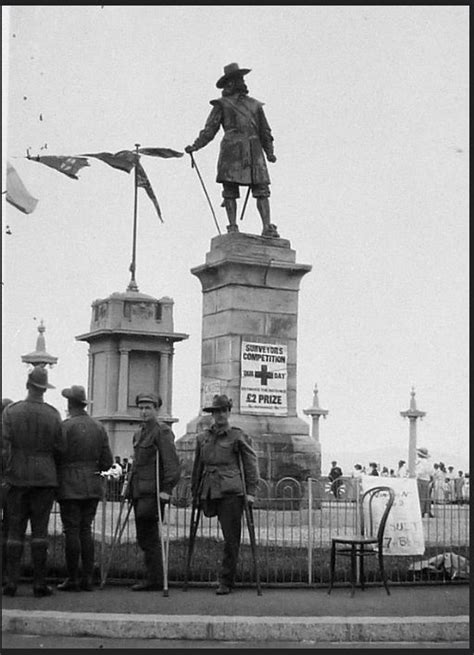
[247, 137]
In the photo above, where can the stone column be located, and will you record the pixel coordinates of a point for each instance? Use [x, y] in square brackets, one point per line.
[413, 414]
[165, 383]
[122, 394]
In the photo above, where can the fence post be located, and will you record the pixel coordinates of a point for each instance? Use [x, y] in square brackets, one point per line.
[102, 531]
[310, 531]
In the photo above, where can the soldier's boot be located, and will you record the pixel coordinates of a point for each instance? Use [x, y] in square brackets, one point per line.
[269, 229]
[87, 552]
[14, 554]
[71, 583]
[39, 556]
[230, 205]
[154, 573]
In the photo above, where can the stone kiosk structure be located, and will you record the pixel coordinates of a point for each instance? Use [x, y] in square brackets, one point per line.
[131, 349]
[250, 288]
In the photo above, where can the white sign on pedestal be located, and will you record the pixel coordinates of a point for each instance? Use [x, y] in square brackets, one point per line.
[404, 529]
[264, 376]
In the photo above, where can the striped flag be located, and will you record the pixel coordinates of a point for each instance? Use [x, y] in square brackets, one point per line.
[124, 160]
[166, 153]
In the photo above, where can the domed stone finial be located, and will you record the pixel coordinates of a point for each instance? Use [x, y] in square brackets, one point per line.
[40, 357]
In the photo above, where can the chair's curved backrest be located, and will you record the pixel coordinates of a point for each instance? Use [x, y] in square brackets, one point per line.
[366, 509]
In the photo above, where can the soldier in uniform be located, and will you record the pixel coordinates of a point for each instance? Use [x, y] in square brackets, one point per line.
[152, 439]
[4, 491]
[247, 137]
[32, 443]
[217, 483]
[80, 487]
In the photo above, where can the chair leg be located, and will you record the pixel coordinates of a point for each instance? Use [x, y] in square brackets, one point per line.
[353, 568]
[382, 571]
[361, 568]
[333, 566]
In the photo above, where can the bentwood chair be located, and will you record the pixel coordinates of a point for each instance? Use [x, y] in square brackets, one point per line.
[369, 539]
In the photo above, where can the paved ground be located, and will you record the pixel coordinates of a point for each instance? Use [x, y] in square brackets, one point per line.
[434, 613]
[29, 642]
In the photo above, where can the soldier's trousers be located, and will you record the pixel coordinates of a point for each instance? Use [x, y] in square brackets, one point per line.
[148, 537]
[229, 513]
[77, 516]
[28, 504]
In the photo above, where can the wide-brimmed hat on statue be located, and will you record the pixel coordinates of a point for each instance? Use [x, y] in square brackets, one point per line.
[231, 70]
[148, 398]
[39, 378]
[75, 393]
[422, 452]
[219, 402]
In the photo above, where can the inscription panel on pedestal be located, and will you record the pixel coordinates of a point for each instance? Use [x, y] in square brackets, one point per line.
[264, 378]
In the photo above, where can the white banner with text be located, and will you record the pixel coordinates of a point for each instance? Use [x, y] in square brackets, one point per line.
[264, 377]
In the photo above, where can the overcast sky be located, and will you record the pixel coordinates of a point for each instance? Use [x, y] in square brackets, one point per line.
[369, 111]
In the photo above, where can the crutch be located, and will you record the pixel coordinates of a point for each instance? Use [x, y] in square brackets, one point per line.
[195, 515]
[164, 546]
[250, 526]
[119, 529]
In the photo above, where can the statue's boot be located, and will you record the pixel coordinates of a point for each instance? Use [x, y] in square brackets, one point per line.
[269, 229]
[230, 205]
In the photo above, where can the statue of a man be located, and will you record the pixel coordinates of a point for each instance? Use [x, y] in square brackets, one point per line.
[247, 137]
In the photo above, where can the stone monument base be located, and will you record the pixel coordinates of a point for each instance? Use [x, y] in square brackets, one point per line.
[283, 445]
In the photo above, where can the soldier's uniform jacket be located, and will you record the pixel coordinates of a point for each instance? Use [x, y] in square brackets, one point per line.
[88, 452]
[247, 136]
[146, 442]
[216, 470]
[32, 441]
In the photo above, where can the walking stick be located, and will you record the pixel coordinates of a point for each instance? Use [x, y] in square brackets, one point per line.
[119, 528]
[250, 527]
[194, 165]
[195, 515]
[164, 551]
[116, 540]
[245, 203]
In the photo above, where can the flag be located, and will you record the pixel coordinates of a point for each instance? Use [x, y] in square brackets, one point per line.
[144, 183]
[124, 160]
[67, 165]
[17, 194]
[166, 153]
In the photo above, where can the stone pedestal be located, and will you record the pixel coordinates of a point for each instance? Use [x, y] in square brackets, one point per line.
[131, 349]
[250, 290]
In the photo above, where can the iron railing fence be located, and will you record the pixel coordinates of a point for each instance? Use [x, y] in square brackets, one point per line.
[294, 522]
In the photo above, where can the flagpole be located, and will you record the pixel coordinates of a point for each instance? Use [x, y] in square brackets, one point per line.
[132, 286]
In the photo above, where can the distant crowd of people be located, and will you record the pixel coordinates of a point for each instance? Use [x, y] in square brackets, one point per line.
[116, 476]
[443, 484]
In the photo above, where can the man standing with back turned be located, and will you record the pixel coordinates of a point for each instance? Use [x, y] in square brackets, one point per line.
[153, 439]
[247, 137]
[32, 442]
[80, 487]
